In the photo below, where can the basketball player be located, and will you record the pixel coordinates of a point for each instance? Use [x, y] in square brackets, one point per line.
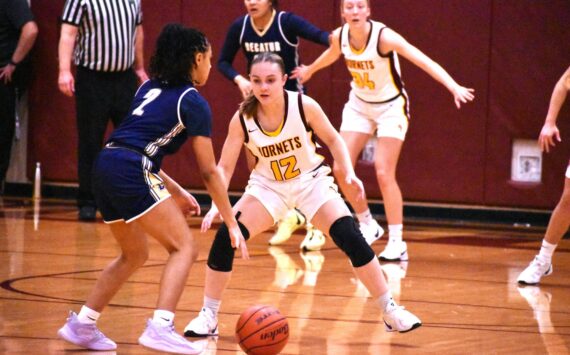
[264, 29]
[560, 219]
[377, 104]
[134, 193]
[278, 127]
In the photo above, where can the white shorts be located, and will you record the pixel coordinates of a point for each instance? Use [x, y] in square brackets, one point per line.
[307, 193]
[388, 119]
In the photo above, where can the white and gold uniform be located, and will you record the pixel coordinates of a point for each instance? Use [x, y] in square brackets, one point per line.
[289, 173]
[378, 101]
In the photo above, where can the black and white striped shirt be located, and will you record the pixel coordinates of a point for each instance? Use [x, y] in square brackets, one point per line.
[106, 34]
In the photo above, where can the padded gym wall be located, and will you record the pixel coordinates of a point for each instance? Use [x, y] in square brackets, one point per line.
[511, 51]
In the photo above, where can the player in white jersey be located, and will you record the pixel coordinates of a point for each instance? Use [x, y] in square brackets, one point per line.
[559, 222]
[377, 105]
[277, 127]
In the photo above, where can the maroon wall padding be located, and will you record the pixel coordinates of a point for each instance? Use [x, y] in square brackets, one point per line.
[529, 52]
[511, 52]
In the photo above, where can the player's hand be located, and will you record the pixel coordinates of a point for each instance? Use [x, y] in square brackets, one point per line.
[212, 214]
[548, 137]
[356, 186]
[238, 241]
[302, 73]
[462, 95]
[6, 73]
[244, 85]
[142, 75]
[66, 83]
[186, 202]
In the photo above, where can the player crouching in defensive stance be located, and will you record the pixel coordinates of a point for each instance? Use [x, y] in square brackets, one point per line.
[279, 127]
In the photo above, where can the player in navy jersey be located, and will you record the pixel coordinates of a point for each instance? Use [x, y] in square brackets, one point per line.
[264, 29]
[133, 193]
[278, 127]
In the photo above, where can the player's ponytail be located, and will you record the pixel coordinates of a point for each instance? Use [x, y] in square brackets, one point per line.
[248, 107]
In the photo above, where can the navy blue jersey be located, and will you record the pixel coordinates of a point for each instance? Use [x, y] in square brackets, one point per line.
[281, 37]
[161, 118]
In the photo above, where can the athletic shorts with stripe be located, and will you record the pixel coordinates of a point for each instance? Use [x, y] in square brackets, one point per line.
[307, 193]
[126, 185]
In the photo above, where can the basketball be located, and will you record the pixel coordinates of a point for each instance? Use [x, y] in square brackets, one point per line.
[262, 330]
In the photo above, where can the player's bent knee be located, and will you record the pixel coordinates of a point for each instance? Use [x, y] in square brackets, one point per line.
[346, 235]
[222, 253]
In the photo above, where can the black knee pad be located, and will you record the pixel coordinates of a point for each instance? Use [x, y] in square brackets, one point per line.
[221, 256]
[347, 236]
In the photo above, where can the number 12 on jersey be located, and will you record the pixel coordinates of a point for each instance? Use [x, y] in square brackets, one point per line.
[288, 164]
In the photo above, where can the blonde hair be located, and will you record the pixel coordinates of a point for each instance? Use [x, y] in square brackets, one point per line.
[248, 107]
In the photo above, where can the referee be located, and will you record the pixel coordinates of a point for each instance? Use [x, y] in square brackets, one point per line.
[105, 39]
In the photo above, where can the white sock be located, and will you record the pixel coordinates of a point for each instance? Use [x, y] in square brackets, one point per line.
[212, 304]
[384, 300]
[395, 231]
[364, 217]
[88, 316]
[546, 251]
[163, 317]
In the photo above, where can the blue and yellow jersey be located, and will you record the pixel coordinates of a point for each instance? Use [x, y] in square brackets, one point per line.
[289, 151]
[375, 77]
[161, 118]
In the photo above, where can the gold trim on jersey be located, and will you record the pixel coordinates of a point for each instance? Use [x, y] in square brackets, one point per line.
[266, 28]
[280, 128]
[361, 50]
[274, 133]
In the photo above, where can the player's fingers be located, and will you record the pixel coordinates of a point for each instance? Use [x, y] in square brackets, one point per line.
[244, 251]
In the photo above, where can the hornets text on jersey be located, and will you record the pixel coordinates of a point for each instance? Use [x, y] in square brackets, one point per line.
[288, 152]
[375, 77]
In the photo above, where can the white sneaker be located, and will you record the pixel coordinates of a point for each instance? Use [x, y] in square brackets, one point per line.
[534, 272]
[85, 335]
[396, 318]
[292, 221]
[396, 250]
[313, 241]
[163, 338]
[206, 324]
[371, 231]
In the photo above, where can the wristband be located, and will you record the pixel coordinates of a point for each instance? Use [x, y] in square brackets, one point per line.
[13, 63]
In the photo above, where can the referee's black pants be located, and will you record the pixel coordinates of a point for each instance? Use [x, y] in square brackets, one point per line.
[7, 125]
[99, 97]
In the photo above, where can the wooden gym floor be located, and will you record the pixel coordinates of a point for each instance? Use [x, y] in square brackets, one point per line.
[460, 281]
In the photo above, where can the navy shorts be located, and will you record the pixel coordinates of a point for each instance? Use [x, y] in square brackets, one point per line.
[126, 184]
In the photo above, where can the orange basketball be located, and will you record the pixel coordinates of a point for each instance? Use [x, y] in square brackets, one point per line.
[262, 330]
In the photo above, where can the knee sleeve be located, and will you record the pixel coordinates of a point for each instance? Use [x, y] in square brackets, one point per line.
[221, 257]
[346, 235]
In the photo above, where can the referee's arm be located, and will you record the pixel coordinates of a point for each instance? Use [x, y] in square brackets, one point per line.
[65, 80]
[139, 55]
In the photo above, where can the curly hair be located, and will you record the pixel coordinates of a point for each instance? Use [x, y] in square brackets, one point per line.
[248, 107]
[175, 53]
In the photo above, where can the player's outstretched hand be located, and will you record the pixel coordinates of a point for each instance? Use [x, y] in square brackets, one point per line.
[302, 73]
[356, 185]
[238, 241]
[549, 135]
[462, 94]
[209, 218]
